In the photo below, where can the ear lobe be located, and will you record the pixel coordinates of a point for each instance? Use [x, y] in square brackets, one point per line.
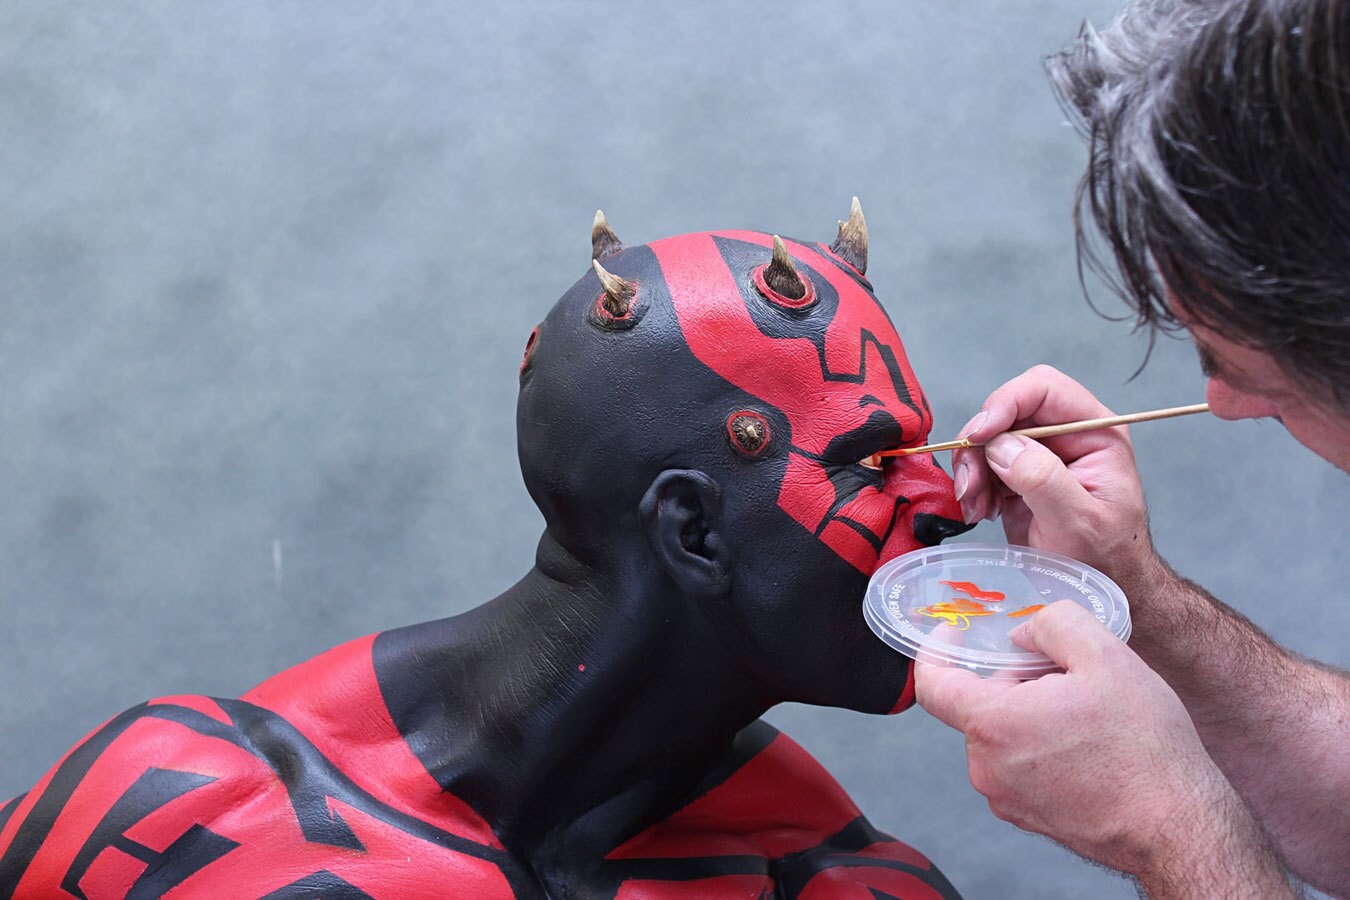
[682, 518]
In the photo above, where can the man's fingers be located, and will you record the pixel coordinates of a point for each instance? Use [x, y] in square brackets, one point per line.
[1039, 396]
[1039, 477]
[974, 484]
[951, 694]
[1068, 634]
[1042, 396]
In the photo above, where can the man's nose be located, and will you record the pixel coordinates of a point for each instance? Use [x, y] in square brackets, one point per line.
[931, 529]
[1228, 402]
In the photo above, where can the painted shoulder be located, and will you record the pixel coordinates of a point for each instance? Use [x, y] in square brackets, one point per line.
[771, 822]
[302, 788]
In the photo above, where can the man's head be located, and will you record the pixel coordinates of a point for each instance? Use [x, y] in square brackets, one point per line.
[1220, 177]
[702, 413]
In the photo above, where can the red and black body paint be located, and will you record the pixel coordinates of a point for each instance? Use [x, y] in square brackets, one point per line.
[286, 795]
[834, 366]
[593, 731]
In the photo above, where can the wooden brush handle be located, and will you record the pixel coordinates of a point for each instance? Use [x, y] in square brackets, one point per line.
[1045, 431]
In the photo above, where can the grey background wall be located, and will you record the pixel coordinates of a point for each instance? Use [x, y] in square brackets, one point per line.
[267, 268]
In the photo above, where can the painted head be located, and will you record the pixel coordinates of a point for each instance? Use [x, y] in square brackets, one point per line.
[703, 413]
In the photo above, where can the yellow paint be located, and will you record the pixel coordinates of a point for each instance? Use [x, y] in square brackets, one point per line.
[955, 612]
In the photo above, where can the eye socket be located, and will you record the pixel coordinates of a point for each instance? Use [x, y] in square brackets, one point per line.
[876, 461]
[530, 344]
[806, 301]
[748, 433]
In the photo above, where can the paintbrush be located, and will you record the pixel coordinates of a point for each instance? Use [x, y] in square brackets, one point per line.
[1045, 431]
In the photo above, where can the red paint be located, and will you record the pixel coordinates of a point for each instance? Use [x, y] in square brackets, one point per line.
[805, 301]
[969, 587]
[787, 373]
[907, 695]
[581, 668]
[318, 696]
[603, 311]
[741, 446]
[530, 344]
[748, 808]
[778, 804]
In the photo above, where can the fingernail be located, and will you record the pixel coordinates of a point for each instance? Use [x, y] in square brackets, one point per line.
[1019, 633]
[974, 424]
[962, 481]
[968, 513]
[1004, 449]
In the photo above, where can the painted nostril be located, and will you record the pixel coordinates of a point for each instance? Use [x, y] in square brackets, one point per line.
[931, 529]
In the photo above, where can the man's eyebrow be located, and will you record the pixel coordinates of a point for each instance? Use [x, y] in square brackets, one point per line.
[1209, 363]
[1212, 367]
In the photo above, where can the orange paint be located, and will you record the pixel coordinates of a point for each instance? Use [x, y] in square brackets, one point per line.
[956, 612]
[959, 610]
[1026, 611]
[974, 590]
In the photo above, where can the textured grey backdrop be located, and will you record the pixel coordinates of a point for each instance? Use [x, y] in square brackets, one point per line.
[266, 270]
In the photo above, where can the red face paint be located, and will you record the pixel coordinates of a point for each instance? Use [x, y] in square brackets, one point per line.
[969, 587]
[836, 370]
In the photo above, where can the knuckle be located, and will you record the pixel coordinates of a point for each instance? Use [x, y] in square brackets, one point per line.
[1045, 371]
[982, 732]
[982, 778]
[1095, 521]
[1006, 811]
[1035, 471]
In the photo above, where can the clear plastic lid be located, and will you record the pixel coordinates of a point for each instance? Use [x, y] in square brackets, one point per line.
[958, 603]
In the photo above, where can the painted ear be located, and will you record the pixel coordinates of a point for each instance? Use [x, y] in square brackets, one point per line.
[682, 517]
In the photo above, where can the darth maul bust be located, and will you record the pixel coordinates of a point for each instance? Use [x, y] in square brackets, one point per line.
[699, 419]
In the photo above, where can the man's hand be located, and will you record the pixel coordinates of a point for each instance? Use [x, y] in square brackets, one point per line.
[1077, 494]
[1104, 759]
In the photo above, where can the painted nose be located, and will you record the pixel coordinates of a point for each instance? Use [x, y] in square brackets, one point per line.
[931, 529]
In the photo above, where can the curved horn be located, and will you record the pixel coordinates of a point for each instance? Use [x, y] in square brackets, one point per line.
[781, 274]
[604, 242]
[851, 244]
[619, 293]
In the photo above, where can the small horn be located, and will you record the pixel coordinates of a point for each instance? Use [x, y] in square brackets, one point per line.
[781, 274]
[619, 294]
[851, 244]
[604, 242]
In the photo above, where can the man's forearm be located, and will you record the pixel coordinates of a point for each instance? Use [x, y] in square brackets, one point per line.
[1275, 724]
[1216, 849]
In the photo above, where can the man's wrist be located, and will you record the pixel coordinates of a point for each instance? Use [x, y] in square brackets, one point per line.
[1214, 847]
[1163, 610]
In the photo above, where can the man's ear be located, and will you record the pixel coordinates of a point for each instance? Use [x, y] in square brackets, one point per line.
[682, 517]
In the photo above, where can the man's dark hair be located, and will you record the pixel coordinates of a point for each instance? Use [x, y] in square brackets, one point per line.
[1219, 137]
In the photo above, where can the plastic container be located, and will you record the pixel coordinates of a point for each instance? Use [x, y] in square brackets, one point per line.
[956, 604]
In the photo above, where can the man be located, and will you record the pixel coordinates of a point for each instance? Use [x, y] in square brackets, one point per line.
[1203, 759]
[698, 421]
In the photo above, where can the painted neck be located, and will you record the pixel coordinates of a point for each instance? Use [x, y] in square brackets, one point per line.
[571, 710]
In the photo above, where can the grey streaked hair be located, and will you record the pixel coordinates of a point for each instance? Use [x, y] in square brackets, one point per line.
[1219, 171]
